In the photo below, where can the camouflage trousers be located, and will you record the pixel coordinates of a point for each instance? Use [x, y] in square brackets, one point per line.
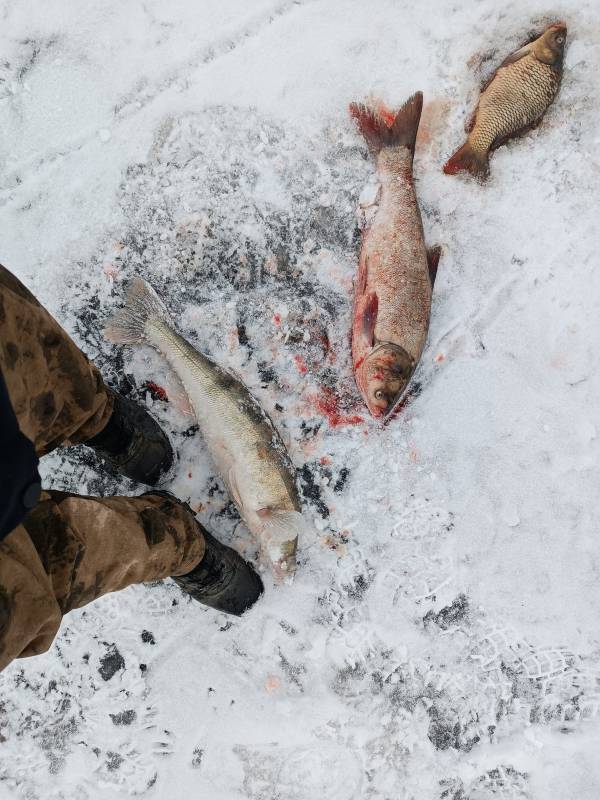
[71, 549]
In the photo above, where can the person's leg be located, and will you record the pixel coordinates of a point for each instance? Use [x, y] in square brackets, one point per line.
[71, 550]
[59, 397]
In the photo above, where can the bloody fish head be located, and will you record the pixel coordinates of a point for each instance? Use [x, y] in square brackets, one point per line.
[383, 376]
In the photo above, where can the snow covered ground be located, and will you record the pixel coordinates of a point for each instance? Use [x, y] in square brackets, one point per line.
[441, 640]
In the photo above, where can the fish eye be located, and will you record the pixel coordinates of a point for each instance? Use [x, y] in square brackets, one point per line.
[379, 394]
[560, 39]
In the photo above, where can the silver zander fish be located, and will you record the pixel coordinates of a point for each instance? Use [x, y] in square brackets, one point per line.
[246, 448]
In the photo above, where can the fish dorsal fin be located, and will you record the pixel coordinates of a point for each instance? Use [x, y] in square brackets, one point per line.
[369, 317]
[470, 124]
[433, 259]
[516, 56]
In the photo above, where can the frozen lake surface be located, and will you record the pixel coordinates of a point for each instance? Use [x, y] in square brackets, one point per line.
[441, 640]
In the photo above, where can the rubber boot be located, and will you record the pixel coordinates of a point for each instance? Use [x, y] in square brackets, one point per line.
[134, 443]
[222, 580]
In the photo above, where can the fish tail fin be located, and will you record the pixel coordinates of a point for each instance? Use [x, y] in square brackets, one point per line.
[379, 133]
[142, 307]
[467, 159]
[281, 530]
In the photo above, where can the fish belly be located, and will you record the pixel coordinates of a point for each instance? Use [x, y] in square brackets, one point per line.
[238, 437]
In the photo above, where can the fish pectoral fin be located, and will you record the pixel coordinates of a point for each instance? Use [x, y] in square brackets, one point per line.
[282, 527]
[369, 317]
[363, 271]
[177, 394]
[470, 124]
[235, 492]
[433, 259]
[279, 538]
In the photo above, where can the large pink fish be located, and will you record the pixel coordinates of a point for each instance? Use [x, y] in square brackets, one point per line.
[392, 299]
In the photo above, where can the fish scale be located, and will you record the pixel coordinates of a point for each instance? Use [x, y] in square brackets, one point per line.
[398, 263]
[516, 98]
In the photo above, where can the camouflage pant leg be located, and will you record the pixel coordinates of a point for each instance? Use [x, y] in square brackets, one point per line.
[57, 395]
[71, 550]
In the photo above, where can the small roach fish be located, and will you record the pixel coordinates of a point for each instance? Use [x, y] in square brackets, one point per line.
[246, 448]
[513, 101]
[392, 295]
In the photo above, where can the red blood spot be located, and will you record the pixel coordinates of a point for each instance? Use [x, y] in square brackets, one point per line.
[156, 392]
[300, 365]
[386, 113]
[440, 357]
[378, 376]
[277, 319]
[189, 474]
[328, 405]
[359, 362]
[325, 460]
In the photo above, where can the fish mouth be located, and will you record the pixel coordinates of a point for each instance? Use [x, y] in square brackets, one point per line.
[394, 404]
[387, 364]
[558, 26]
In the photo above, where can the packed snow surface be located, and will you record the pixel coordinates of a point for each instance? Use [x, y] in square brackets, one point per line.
[441, 639]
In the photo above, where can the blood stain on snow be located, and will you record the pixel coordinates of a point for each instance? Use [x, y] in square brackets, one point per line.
[277, 319]
[157, 392]
[440, 357]
[300, 365]
[327, 403]
[272, 684]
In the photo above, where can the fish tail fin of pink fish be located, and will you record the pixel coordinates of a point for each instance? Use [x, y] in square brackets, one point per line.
[381, 128]
[466, 159]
